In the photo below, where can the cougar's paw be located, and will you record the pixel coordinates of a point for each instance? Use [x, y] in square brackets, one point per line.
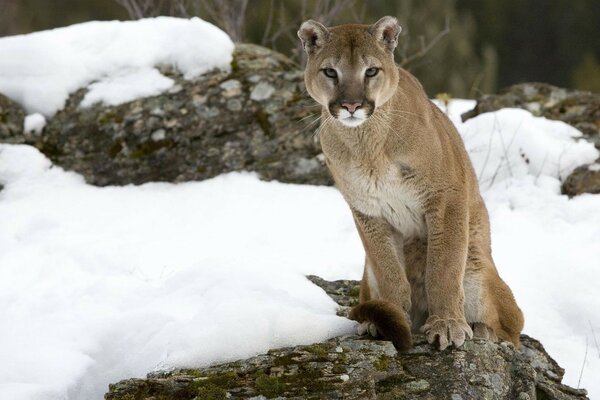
[446, 331]
[367, 327]
[482, 331]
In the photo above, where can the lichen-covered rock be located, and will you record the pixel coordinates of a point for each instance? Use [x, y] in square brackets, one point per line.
[343, 292]
[11, 121]
[359, 368]
[256, 117]
[578, 109]
[584, 179]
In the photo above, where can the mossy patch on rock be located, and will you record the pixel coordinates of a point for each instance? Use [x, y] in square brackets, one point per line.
[269, 386]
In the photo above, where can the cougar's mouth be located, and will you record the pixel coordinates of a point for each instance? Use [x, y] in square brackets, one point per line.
[352, 119]
[352, 113]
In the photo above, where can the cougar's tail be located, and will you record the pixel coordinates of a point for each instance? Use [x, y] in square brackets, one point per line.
[389, 319]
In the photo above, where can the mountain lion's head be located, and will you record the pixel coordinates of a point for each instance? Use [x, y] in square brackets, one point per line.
[350, 68]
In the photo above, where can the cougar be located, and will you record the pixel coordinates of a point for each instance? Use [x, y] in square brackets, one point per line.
[403, 169]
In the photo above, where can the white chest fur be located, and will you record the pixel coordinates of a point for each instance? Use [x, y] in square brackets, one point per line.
[382, 192]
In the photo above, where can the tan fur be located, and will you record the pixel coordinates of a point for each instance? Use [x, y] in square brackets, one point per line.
[403, 169]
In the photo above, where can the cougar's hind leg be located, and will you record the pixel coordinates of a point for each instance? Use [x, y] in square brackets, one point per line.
[480, 313]
[415, 256]
[509, 315]
[490, 307]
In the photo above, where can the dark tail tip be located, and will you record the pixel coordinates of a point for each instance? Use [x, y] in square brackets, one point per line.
[389, 319]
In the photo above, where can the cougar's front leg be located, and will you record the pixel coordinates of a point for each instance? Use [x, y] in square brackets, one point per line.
[447, 245]
[384, 273]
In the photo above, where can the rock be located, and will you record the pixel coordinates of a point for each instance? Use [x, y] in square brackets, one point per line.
[12, 118]
[578, 109]
[584, 179]
[343, 292]
[256, 117]
[352, 367]
[262, 91]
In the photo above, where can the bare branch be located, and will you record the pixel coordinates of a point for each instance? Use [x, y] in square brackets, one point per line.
[178, 8]
[269, 23]
[132, 8]
[151, 8]
[426, 47]
[360, 15]
[230, 15]
[8, 12]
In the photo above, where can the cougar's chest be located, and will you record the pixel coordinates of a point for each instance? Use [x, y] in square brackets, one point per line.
[383, 190]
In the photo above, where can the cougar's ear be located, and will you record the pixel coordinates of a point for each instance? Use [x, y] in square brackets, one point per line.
[313, 35]
[386, 30]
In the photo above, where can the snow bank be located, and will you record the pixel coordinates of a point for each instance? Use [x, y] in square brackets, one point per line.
[41, 69]
[100, 284]
[97, 284]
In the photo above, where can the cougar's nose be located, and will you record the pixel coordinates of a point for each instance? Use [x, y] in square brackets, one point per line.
[351, 105]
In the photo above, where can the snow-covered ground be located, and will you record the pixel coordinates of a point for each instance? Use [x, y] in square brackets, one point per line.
[100, 284]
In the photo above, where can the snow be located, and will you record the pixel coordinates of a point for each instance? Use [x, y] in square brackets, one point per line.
[34, 123]
[127, 86]
[40, 70]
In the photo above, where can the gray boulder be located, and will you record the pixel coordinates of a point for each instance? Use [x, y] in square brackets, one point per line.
[584, 179]
[257, 117]
[354, 367]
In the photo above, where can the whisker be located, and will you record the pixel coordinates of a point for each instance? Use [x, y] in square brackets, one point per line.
[308, 116]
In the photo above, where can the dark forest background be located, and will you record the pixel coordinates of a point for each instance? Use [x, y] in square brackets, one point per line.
[461, 47]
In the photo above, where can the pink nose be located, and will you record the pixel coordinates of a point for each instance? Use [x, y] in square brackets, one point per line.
[351, 106]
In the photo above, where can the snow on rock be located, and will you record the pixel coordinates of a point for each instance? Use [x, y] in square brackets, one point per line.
[126, 86]
[34, 123]
[40, 70]
[511, 143]
[101, 284]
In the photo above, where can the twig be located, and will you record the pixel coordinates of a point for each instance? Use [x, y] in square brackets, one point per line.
[489, 149]
[594, 336]
[537, 177]
[584, 360]
[269, 23]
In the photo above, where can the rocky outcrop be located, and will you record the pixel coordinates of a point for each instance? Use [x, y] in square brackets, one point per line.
[257, 117]
[576, 108]
[11, 121]
[360, 368]
[584, 179]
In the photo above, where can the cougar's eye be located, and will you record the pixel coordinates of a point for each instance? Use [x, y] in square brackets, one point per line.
[371, 72]
[330, 72]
